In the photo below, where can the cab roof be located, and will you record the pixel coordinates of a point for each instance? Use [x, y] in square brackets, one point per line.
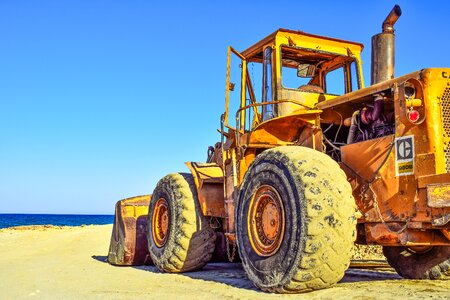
[304, 40]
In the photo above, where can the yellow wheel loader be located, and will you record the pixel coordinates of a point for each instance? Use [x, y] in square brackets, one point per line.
[310, 161]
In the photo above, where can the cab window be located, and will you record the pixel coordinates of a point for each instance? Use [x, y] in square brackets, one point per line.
[335, 82]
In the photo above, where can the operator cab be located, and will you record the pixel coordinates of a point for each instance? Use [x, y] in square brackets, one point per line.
[287, 72]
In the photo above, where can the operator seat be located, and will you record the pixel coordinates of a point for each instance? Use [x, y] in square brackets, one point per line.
[311, 88]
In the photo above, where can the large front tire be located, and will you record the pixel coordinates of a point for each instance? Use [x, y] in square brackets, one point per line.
[179, 236]
[295, 221]
[432, 263]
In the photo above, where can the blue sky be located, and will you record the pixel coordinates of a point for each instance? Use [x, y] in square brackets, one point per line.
[100, 99]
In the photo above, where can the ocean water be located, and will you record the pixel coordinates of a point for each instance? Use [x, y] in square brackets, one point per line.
[9, 220]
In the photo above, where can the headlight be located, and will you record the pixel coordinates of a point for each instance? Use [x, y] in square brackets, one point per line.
[410, 90]
[414, 102]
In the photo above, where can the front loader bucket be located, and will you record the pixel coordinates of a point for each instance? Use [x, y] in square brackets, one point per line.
[129, 240]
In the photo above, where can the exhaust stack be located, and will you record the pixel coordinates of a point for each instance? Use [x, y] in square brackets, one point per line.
[383, 49]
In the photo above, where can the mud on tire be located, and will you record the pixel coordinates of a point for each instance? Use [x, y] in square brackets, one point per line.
[433, 263]
[188, 242]
[319, 221]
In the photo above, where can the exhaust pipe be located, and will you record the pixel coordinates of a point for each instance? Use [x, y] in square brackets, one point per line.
[383, 49]
[388, 24]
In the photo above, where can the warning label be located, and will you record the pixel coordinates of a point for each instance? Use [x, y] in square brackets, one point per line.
[404, 155]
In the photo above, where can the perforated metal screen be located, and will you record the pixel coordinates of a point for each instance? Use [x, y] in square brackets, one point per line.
[445, 109]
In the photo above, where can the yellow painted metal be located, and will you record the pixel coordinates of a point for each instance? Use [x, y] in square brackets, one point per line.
[292, 100]
[413, 102]
[237, 53]
[231, 50]
[411, 200]
[235, 175]
[128, 240]
[360, 70]
[297, 37]
[243, 94]
[364, 94]
[257, 119]
[436, 89]
[287, 102]
[227, 86]
[134, 210]
[317, 44]
[243, 84]
[205, 173]
[371, 165]
[209, 181]
[282, 131]
[438, 195]
[307, 100]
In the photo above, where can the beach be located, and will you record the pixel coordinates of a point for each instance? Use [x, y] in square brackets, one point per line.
[50, 262]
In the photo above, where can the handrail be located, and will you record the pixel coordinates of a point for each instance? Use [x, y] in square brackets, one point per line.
[237, 53]
[240, 130]
[267, 103]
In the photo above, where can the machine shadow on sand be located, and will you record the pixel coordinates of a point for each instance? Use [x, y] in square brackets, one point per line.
[233, 274]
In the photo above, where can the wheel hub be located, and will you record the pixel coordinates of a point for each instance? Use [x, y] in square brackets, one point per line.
[266, 221]
[160, 222]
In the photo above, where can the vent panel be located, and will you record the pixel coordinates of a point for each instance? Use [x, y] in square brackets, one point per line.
[445, 110]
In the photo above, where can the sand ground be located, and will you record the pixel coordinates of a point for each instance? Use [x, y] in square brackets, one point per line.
[70, 263]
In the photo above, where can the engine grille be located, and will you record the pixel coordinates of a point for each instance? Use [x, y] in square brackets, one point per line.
[445, 110]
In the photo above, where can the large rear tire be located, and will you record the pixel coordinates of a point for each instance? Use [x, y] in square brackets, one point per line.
[431, 263]
[295, 221]
[179, 236]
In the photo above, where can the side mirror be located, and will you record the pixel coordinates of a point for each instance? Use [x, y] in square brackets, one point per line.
[306, 70]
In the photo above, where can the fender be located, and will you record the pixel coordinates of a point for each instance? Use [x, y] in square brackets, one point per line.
[208, 178]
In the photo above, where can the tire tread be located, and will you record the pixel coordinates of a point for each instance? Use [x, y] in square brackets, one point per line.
[192, 243]
[330, 214]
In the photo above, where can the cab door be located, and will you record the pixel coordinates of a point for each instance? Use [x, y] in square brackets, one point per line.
[232, 124]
